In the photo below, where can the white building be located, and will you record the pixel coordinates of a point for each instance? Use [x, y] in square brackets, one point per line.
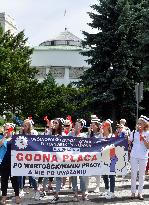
[8, 23]
[61, 56]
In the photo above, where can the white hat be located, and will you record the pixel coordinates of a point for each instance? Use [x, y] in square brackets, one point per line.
[123, 121]
[95, 120]
[144, 118]
[9, 124]
[82, 121]
[94, 116]
[110, 121]
[62, 120]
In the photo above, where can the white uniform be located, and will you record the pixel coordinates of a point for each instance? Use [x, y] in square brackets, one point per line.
[97, 177]
[139, 158]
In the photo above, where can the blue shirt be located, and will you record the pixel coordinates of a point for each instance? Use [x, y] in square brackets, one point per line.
[3, 149]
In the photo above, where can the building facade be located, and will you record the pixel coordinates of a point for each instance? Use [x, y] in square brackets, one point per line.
[7, 23]
[60, 56]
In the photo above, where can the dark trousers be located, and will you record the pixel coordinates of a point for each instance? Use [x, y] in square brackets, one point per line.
[5, 174]
[21, 182]
[112, 182]
[32, 182]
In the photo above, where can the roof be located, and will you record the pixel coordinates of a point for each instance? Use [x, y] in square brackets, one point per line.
[68, 36]
[65, 38]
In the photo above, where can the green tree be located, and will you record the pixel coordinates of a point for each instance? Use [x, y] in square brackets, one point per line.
[115, 57]
[16, 76]
[145, 57]
[57, 100]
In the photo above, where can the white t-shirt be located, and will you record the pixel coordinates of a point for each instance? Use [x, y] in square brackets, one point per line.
[139, 150]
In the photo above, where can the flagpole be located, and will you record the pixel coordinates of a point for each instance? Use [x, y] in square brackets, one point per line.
[65, 25]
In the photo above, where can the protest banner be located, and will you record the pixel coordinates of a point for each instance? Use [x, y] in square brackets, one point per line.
[44, 156]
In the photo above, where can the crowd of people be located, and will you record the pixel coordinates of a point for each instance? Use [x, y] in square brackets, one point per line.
[138, 141]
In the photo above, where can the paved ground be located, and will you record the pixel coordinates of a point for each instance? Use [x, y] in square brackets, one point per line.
[122, 195]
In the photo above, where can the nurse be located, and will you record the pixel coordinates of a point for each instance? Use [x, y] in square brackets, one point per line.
[139, 155]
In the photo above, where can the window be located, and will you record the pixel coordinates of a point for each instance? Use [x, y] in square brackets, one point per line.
[52, 43]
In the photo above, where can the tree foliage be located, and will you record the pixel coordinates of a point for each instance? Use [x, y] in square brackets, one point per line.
[16, 76]
[57, 100]
[116, 57]
[21, 93]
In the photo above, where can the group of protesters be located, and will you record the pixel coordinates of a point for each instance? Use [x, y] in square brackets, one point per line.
[139, 138]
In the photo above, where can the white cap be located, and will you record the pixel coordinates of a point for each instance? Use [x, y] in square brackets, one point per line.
[110, 121]
[82, 121]
[9, 124]
[95, 120]
[144, 118]
[93, 117]
[123, 121]
[62, 120]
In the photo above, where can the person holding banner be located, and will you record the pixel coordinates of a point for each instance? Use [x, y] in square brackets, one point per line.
[139, 155]
[95, 128]
[27, 129]
[107, 133]
[66, 130]
[57, 131]
[5, 160]
[95, 132]
[45, 180]
[80, 123]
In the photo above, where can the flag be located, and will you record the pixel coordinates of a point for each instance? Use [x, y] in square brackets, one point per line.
[69, 118]
[10, 129]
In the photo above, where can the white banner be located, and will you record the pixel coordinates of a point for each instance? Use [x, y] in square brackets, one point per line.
[110, 159]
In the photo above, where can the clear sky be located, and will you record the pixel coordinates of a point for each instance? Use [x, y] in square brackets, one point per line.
[44, 19]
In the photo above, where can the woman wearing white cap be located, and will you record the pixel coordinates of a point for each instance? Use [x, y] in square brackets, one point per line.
[95, 132]
[80, 123]
[57, 124]
[109, 180]
[27, 129]
[139, 154]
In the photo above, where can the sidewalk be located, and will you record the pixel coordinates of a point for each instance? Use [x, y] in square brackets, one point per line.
[66, 196]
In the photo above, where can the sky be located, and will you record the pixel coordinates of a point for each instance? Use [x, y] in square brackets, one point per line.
[44, 19]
